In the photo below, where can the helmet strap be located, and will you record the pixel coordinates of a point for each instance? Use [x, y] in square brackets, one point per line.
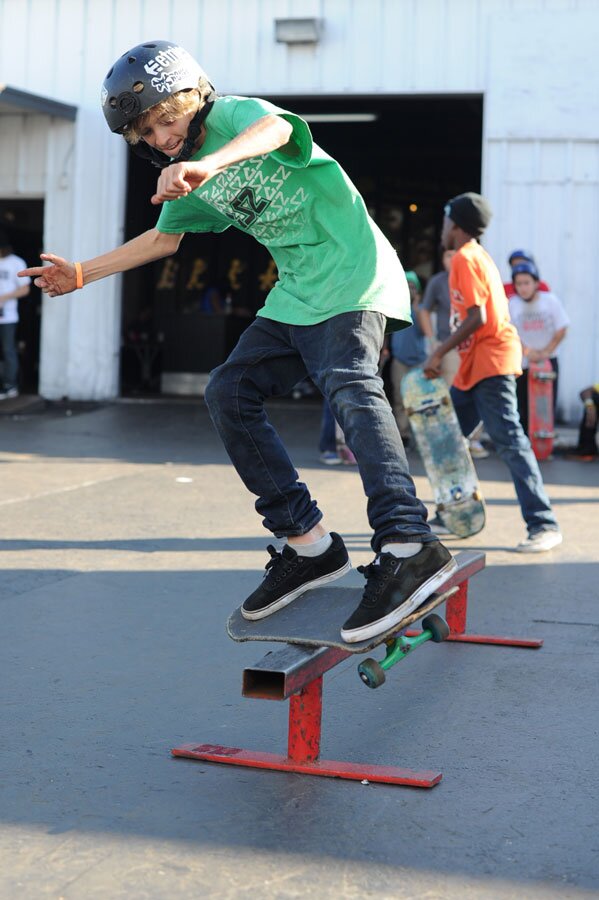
[160, 159]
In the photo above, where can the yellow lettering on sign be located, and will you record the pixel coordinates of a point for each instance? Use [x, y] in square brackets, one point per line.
[236, 268]
[266, 279]
[168, 275]
[195, 282]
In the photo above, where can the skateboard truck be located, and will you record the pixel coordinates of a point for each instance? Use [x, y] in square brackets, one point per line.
[434, 628]
[296, 673]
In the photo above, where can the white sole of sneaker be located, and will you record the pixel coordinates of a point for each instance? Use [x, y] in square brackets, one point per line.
[289, 598]
[550, 544]
[394, 618]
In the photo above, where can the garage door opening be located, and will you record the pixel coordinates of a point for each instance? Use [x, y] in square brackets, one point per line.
[23, 221]
[406, 155]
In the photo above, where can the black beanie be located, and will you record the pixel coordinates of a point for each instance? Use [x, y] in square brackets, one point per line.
[469, 211]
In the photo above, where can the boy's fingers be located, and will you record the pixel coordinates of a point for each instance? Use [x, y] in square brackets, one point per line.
[31, 273]
[52, 257]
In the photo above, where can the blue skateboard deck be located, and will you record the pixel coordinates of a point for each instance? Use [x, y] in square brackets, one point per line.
[444, 453]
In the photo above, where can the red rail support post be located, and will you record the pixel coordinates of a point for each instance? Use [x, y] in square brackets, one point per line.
[305, 720]
[456, 609]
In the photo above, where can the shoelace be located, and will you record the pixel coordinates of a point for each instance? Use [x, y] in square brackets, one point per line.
[377, 574]
[278, 568]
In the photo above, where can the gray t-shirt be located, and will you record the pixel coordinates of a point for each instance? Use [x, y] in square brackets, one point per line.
[436, 299]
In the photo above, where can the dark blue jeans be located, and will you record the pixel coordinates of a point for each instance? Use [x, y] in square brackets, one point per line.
[341, 356]
[493, 400]
[328, 430]
[8, 338]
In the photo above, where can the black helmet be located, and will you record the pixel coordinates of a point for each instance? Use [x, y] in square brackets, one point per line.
[143, 77]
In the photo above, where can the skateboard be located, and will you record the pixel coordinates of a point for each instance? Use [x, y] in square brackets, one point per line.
[444, 453]
[315, 619]
[540, 408]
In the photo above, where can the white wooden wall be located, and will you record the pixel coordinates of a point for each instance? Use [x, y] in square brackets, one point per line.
[533, 60]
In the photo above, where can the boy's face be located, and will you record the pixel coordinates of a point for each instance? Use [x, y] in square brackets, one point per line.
[447, 257]
[448, 233]
[525, 285]
[166, 134]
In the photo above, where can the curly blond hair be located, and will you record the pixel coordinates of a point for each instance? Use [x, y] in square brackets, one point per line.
[173, 107]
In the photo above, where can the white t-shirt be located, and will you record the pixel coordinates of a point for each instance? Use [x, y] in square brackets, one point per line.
[9, 282]
[538, 320]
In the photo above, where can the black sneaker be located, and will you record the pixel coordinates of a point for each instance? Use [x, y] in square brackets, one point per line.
[289, 575]
[396, 587]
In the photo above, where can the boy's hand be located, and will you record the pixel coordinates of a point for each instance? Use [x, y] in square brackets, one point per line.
[432, 365]
[536, 356]
[181, 179]
[57, 279]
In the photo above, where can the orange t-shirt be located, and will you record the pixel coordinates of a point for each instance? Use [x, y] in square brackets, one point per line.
[495, 348]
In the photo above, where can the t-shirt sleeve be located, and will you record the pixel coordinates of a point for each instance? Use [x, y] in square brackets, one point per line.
[430, 299]
[560, 316]
[298, 152]
[21, 281]
[470, 281]
[180, 216]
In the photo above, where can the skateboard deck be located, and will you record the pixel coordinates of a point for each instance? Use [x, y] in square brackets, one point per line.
[540, 408]
[315, 620]
[444, 453]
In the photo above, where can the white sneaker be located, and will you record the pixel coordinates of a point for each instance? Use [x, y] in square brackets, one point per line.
[477, 451]
[9, 393]
[330, 458]
[540, 542]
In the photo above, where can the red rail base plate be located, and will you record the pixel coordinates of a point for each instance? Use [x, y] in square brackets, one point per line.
[531, 643]
[234, 756]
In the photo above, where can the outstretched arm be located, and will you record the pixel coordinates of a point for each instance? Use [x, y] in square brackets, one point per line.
[61, 276]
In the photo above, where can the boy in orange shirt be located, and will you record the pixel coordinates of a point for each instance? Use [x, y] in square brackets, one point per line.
[490, 357]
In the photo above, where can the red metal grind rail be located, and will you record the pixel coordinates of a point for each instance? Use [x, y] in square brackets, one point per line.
[296, 673]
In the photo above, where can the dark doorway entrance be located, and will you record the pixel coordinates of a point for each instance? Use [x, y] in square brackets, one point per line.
[23, 220]
[407, 156]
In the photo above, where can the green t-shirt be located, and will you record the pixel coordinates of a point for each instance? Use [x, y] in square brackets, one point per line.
[330, 255]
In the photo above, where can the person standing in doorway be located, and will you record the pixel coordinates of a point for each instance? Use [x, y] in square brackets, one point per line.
[12, 288]
[490, 355]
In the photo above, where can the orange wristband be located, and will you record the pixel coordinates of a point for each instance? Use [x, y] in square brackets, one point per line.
[78, 275]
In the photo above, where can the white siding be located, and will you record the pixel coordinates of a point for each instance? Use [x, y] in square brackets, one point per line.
[533, 60]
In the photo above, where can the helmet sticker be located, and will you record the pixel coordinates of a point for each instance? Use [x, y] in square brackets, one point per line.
[165, 59]
[166, 80]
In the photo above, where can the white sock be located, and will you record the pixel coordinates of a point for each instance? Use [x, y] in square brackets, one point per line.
[403, 551]
[315, 549]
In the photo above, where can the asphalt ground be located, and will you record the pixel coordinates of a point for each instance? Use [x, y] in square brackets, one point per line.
[126, 540]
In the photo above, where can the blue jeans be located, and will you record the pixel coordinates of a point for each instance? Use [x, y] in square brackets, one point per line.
[341, 356]
[494, 401]
[8, 338]
[328, 430]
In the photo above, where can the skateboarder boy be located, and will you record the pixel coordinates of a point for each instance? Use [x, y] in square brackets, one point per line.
[490, 355]
[244, 162]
